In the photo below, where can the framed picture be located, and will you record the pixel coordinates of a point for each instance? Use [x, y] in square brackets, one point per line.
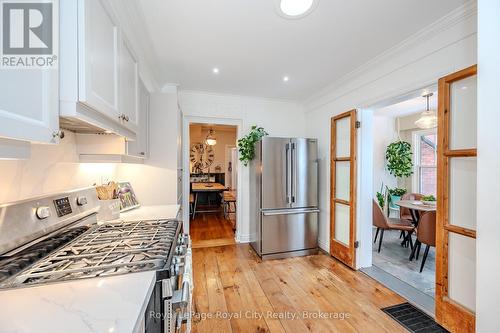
[127, 197]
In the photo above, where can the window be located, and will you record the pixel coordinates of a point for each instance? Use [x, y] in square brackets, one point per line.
[424, 146]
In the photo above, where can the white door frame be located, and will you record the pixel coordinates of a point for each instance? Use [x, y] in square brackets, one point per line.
[187, 120]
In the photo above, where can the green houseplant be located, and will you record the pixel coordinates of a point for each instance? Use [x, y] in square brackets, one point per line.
[246, 145]
[395, 195]
[399, 159]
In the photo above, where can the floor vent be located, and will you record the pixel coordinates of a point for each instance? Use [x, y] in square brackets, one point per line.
[413, 319]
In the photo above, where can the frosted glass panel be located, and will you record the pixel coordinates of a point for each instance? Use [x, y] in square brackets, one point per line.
[462, 270]
[342, 180]
[463, 113]
[343, 137]
[463, 192]
[342, 226]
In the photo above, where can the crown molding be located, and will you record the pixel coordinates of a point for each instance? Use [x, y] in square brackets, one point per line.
[244, 97]
[455, 17]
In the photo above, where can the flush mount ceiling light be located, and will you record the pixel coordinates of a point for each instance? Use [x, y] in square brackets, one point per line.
[211, 140]
[295, 9]
[215, 70]
[428, 118]
[286, 78]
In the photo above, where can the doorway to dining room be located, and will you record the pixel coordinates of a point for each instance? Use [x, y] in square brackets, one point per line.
[213, 183]
[404, 192]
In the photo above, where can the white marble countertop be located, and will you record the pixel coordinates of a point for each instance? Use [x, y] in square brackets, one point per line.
[112, 304]
[151, 213]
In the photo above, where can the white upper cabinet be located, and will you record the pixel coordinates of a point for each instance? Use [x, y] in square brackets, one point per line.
[129, 86]
[98, 38]
[99, 71]
[29, 104]
[140, 147]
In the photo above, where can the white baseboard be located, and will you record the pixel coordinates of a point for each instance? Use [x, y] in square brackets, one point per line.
[242, 238]
[324, 245]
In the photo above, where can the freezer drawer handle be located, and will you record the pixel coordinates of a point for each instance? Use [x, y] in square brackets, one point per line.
[290, 211]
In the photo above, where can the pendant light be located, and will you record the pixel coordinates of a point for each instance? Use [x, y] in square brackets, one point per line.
[211, 140]
[428, 118]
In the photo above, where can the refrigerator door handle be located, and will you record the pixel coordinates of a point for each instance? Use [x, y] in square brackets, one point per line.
[293, 176]
[287, 175]
[290, 211]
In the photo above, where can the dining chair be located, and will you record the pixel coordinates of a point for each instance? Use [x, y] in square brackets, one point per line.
[426, 234]
[383, 223]
[404, 213]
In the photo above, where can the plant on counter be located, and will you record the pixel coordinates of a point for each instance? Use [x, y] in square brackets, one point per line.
[399, 159]
[246, 145]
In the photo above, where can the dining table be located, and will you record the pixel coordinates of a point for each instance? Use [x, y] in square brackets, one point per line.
[416, 208]
[198, 188]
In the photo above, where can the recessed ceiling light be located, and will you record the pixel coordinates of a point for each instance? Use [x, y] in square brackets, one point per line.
[286, 78]
[215, 70]
[295, 9]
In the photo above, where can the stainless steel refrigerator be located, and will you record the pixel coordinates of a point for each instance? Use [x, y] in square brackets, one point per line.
[284, 197]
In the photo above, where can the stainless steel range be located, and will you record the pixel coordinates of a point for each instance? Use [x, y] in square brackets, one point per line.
[56, 238]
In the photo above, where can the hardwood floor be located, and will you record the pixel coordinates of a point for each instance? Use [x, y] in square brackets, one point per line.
[236, 292]
[211, 229]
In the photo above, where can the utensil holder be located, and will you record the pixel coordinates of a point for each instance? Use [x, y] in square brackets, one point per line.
[110, 210]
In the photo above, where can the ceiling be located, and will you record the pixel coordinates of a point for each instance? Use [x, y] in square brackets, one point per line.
[254, 48]
[410, 106]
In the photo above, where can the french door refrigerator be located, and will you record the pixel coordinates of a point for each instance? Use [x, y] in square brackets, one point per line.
[284, 197]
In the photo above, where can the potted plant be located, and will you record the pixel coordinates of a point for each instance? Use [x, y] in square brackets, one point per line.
[246, 145]
[399, 159]
[429, 200]
[395, 195]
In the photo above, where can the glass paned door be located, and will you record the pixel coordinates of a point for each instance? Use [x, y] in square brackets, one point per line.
[456, 210]
[343, 188]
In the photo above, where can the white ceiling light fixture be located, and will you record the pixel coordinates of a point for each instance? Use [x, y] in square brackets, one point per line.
[211, 140]
[286, 79]
[215, 70]
[428, 118]
[295, 9]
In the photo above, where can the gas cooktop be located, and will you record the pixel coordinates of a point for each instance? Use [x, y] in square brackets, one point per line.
[103, 250]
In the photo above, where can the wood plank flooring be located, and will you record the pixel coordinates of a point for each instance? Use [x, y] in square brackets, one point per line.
[236, 292]
[211, 229]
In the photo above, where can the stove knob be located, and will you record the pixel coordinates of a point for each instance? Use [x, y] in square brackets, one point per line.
[179, 249]
[181, 240]
[42, 212]
[177, 260]
[81, 201]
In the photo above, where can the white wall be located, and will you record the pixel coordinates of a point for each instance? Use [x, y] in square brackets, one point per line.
[488, 165]
[384, 134]
[155, 181]
[279, 118]
[51, 168]
[445, 47]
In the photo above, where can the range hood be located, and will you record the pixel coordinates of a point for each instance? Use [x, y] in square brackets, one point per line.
[104, 148]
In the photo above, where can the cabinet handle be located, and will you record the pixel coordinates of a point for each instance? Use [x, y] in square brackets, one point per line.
[58, 134]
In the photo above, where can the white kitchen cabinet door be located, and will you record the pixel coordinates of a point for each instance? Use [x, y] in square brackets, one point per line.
[29, 104]
[129, 86]
[98, 37]
[140, 147]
